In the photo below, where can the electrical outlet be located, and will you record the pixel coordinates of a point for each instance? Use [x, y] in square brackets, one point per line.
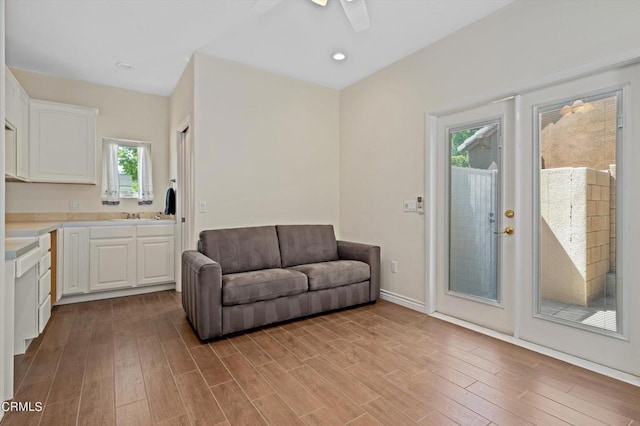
[75, 205]
[394, 266]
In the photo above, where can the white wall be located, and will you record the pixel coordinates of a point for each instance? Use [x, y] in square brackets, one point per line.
[382, 117]
[123, 114]
[266, 147]
[181, 107]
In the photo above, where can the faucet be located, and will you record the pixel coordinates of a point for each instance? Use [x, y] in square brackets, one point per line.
[133, 215]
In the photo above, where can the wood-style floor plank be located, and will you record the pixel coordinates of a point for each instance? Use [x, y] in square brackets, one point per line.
[134, 414]
[212, 369]
[290, 390]
[199, 402]
[136, 360]
[236, 405]
[276, 412]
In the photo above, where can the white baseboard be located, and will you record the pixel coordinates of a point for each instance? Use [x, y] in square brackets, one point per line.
[65, 300]
[401, 300]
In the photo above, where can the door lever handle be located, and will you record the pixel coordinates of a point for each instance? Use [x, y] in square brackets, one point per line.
[508, 230]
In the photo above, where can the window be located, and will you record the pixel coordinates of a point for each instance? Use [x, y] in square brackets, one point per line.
[126, 171]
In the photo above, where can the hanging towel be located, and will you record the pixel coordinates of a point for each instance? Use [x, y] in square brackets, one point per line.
[170, 202]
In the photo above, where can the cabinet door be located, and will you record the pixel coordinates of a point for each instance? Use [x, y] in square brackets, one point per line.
[62, 143]
[112, 263]
[12, 94]
[155, 260]
[10, 147]
[75, 261]
[22, 143]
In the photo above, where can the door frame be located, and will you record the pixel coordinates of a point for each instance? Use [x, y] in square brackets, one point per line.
[184, 196]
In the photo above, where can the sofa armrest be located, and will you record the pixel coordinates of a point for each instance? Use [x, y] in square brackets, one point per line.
[364, 253]
[202, 293]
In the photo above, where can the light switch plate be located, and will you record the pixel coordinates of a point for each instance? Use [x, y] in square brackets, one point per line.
[394, 266]
[410, 206]
[202, 206]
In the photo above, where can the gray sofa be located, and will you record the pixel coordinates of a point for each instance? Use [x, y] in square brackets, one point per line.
[243, 278]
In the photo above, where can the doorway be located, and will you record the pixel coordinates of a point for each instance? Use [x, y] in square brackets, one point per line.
[532, 208]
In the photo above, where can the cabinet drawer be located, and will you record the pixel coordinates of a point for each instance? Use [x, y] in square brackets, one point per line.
[45, 263]
[112, 232]
[155, 230]
[45, 243]
[44, 314]
[27, 261]
[44, 286]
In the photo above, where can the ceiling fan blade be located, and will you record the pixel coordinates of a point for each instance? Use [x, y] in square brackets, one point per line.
[357, 13]
[263, 6]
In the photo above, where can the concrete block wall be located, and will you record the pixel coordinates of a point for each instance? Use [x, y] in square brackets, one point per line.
[575, 234]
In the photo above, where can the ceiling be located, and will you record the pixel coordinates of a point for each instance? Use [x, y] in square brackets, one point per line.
[83, 39]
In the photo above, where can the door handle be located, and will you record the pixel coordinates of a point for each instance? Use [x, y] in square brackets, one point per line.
[508, 230]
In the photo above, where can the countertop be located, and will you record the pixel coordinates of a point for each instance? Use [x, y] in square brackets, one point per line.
[35, 229]
[29, 229]
[16, 247]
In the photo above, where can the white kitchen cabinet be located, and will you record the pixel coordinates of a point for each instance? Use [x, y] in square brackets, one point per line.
[26, 300]
[117, 257]
[12, 95]
[62, 143]
[112, 263]
[75, 261]
[155, 260]
[22, 142]
[16, 130]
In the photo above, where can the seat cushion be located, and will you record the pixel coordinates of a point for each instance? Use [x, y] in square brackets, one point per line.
[242, 249]
[334, 274]
[303, 244]
[250, 287]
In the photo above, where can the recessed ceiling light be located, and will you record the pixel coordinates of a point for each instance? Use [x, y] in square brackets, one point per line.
[124, 66]
[339, 56]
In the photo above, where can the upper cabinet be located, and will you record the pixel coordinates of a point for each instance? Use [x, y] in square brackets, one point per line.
[16, 129]
[62, 143]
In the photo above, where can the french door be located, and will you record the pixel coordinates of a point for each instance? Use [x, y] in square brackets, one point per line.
[580, 273]
[475, 159]
[535, 235]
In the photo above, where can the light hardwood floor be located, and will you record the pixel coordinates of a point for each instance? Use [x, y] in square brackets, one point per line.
[136, 361]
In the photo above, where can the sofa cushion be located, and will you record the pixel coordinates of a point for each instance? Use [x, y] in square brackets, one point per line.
[334, 274]
[250, 287]
[302, 244]
[242, 249]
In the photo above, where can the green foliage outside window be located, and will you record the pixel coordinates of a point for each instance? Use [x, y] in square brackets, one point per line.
[460, 159]
[128, 162]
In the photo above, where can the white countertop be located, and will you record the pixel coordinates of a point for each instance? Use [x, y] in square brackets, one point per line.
[35, 229]
[29, 229]
[16, 247]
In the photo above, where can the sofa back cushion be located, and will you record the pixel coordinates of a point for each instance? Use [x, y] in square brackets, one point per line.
[301, 244]
[242, 249]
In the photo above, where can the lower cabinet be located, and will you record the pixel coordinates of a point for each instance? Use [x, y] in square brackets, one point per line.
[75, 257]
[112, 263]
[155, 260]
[104, 258]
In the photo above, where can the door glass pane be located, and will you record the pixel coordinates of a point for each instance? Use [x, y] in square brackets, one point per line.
[473, 206]
[578, 214]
